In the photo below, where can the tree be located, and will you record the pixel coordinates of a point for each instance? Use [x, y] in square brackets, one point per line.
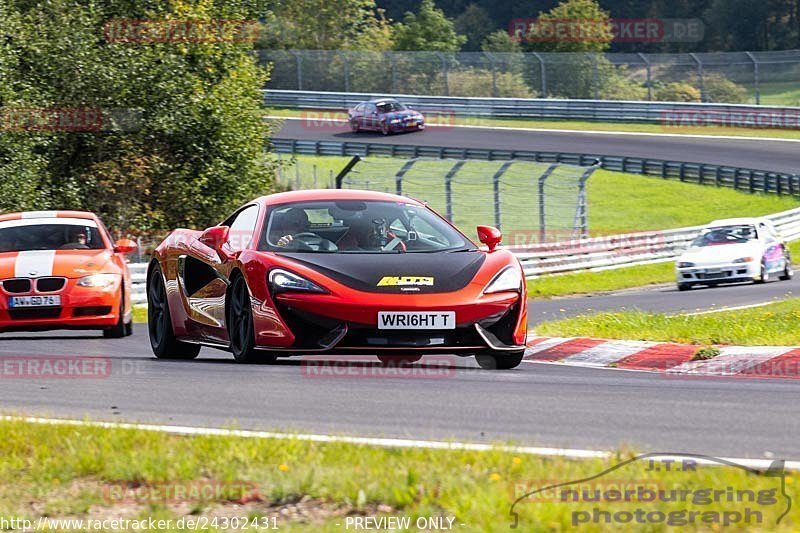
[586, 26]
[500, 41]
[196, 148]
[474, 23]
[428, 29]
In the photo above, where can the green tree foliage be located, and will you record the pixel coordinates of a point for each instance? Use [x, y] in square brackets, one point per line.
[594, 20]
[428, 29]
[474, 23]
[500, 41]
[195, 147]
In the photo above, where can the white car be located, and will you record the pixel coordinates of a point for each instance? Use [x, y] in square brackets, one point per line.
[734, 250]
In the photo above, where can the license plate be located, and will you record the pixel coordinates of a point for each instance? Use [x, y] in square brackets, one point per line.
[34, 301]
[416, 320]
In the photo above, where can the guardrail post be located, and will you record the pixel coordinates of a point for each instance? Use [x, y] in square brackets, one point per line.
[398, 178]
[448, 189]
[649, 68]
[700, 76]
[496, 188]
[750, 184]
[542, 72]
[756, 77]
[542, 218]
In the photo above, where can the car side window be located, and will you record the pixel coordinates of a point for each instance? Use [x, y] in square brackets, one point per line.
[242, 225]
[372, 109]
[360, 107]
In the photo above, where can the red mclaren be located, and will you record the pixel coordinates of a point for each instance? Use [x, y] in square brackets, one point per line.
[336, 272]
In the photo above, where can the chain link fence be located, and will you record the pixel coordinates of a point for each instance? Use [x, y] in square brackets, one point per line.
[531, 202]
[730, 77]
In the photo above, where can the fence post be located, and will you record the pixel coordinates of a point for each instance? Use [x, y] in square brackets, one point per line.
[542, 218]
[448, 188]
[496, 188]
[394, 71]
[444, 73]
[299, 63]
[494, 73]
[543, 73]
[595, 77]
[649, 68]
[346, 170]
[581, 213]
[756, 77]
[344, 56]
[398, 178]
[700, 76]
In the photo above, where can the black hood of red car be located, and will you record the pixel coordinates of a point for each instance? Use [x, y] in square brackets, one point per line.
[396, 273]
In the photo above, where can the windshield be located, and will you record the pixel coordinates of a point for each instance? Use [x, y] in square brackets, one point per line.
[726, 235]
[359, 227]
[389, 107]
[17, 236]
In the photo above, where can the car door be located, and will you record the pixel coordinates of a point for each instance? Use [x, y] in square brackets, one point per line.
[371, 117]
[204, 275]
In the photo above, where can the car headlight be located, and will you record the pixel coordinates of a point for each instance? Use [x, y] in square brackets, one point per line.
[685, 264]
[396, 120]
[744, 260]
[283, 280]
[509, 279]
[98, 280]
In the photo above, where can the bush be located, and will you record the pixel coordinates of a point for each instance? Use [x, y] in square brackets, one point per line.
[471, 82]
[705, 353]
[720, 89]
[616, 85]
[676, 92]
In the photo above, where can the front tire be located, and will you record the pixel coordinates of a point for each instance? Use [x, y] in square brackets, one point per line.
[159, 322]
[121, 328]
[491, 360]
[240, 326]
[684, 286]
[788, 273]
[354, 127]
[764, 278]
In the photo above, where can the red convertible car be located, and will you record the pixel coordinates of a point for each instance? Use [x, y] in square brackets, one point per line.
[336, 272]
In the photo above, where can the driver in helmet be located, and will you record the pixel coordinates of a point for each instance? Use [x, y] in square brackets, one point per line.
[287, 225]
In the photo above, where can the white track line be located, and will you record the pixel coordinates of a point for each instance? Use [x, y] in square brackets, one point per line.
[723, 309]
[372, 441]
[586, 132]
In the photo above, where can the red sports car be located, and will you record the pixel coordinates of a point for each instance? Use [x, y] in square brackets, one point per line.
[62, 270]
[336, 272]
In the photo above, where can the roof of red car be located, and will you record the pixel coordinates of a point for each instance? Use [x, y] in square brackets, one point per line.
[333, 194]
[48, 214]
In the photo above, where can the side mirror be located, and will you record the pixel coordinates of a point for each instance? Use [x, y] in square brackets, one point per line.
[489, 236]
[125, 246]
[214, 237]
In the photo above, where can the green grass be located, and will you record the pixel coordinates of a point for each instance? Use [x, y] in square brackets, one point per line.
[602, 281]
[772, 325]
[68, 471]
[780, 93]
[140, 314]
[788, 97]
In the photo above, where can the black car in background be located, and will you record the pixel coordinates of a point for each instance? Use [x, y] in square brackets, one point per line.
[385, 115]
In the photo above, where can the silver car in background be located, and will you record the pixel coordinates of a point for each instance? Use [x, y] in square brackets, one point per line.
[734, 250]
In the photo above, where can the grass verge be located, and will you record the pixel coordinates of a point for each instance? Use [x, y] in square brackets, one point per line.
[81, 472]
[602, 281]
[771, 325]
[567, 125]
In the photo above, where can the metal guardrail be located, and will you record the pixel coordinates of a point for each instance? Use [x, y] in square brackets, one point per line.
[742, 179]
[597, 253]
[618, 251]
[670, 114]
